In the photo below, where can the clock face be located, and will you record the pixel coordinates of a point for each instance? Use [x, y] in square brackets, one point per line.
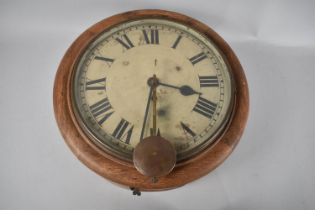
[111, 87]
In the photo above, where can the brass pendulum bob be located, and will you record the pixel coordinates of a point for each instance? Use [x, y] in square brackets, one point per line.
[154, 156]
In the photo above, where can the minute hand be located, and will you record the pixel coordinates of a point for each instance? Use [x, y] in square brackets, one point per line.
[146, 113]
[185, 90]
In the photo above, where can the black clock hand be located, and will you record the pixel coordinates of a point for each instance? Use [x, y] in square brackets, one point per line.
[155, 84]
[185, 90]
[146, 113]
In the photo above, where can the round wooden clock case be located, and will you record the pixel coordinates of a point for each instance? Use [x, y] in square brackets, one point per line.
[119, 171]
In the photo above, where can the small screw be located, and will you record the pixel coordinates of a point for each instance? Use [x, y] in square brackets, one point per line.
[135, 191]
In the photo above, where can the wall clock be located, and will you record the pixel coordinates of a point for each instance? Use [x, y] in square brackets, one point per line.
[151, 99]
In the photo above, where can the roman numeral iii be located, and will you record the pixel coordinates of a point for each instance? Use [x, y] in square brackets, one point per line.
[205, 107]
[98, 84]
[208, 81]
[121, 132]
[125, 42]
[152, 37]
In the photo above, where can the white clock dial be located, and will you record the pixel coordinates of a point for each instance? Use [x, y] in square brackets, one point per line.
[111, 87]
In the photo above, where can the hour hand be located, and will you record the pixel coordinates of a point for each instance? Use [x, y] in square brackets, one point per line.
[185, 90]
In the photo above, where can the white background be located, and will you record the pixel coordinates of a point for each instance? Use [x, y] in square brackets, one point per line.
[272, 167]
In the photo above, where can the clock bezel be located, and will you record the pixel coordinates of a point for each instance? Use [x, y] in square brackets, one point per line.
[123, 172]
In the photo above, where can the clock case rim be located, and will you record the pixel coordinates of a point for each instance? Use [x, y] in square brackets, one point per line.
[117, 170]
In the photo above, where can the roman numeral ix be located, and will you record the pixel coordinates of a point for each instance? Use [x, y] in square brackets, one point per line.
[205, 107]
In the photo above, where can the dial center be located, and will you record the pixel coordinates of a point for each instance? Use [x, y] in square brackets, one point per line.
[128, 86]
[153, 81]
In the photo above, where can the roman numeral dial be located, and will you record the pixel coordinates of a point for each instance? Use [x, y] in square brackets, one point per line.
[112, 85]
